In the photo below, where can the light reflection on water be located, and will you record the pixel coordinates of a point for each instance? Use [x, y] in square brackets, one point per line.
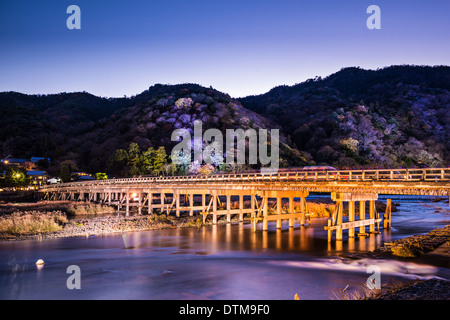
[215, 262]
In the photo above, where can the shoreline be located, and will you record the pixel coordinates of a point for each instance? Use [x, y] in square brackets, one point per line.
[87, 219]
[416, 248]
[104, 225]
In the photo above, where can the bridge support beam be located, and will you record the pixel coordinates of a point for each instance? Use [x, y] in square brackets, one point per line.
[351, 217]
[387, 215]
[214, 203]
[177, 203]
[291, 211]
[241, 207]
[150, 202]
[336, 223]
[362, 216]
[263, 213]
[140, 195]
[127, 199]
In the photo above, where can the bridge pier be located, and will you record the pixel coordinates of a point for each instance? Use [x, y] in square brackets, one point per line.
[387, 215]
[336, 223]
[362, 216]
[351, 218]
[150, 202]
[349, 186]
[278, 216]
[241, 207]
[291, 211]
[214, 203]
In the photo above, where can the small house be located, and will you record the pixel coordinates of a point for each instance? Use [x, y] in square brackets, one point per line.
[37, 178]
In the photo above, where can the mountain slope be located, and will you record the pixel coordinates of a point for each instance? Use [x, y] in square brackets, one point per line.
[396, 116]
[87, 129]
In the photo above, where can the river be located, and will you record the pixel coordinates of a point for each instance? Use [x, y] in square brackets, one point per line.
[217, 262]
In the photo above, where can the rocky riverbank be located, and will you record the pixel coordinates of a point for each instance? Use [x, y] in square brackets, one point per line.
[106, 221]
[434, 244]
[87, 227]
[418, 245]
[101, 221]
[416, 290]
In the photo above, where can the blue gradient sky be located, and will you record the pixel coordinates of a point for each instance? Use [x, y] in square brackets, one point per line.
[241, 47]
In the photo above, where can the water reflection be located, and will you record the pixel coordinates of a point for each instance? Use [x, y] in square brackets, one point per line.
[213, 262]
[310, 239]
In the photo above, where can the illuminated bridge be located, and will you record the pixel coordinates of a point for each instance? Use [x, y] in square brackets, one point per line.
[211, 195]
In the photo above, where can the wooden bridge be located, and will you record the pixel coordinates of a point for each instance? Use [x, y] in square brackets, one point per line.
[205, 194]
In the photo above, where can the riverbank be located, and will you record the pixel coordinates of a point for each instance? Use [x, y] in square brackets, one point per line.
[417, 248]
[112, 222]
[64, 219]
[417, 290]
[407, 289]
[57, 219]
[436, 241]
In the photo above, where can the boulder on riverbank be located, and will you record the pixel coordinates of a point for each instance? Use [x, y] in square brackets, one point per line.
[417, 245]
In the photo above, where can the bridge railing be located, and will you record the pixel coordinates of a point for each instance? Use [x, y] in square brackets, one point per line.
[427, 174]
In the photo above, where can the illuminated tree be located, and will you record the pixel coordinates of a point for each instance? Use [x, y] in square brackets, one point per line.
[160, 160]
[101, 176]
[16, 177]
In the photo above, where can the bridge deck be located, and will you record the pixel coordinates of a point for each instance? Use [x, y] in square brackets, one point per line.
[344, 186]
[392, 181]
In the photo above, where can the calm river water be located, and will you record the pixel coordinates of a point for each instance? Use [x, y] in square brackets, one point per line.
[216, 262]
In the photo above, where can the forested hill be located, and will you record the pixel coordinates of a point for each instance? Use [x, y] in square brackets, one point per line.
[85, 131]
[396, 116]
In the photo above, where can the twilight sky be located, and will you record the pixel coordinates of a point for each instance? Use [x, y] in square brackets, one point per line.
[240, 47]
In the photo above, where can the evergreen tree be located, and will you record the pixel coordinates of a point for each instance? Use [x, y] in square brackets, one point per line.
[160, 160]
[147, 161]
[65, 170]
[134, 159]
[117, 163]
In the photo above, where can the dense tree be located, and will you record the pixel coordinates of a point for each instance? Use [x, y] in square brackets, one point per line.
[160, 160]
[15, 177]
[101, 176]
[66, 168]
[117, 162]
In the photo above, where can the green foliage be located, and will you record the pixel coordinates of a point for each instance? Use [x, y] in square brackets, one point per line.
[15, 177]
[381, 109]
[160, 160]
[101, 176]
[134, 161]
[147, 160]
